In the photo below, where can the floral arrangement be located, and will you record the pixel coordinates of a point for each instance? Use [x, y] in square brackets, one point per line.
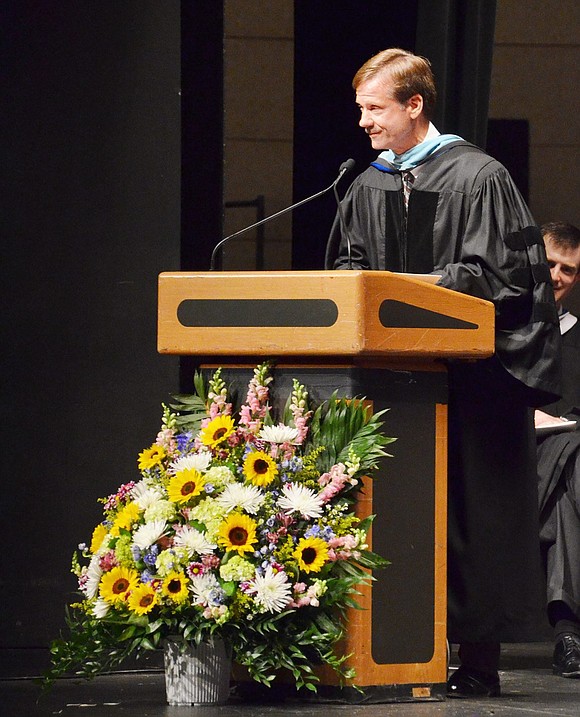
[241, 529]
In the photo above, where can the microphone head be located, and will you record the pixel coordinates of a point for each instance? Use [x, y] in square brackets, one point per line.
[347, 166]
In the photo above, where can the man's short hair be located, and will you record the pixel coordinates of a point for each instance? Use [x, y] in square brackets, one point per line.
[411, 75]
[562, 234]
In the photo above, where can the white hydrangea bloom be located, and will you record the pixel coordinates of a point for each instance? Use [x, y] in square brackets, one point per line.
[160, 510]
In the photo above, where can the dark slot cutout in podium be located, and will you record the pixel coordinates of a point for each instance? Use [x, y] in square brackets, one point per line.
[381, 336]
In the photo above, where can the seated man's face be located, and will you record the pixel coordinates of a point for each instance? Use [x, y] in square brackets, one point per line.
[564, 266]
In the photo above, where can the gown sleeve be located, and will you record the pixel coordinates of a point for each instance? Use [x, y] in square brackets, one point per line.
[502, 259]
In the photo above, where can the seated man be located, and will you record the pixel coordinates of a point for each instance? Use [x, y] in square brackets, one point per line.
[559, 462]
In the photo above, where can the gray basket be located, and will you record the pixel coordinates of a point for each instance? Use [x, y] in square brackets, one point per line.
[200, 675]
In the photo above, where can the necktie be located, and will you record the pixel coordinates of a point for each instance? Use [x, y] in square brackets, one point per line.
[408, 180]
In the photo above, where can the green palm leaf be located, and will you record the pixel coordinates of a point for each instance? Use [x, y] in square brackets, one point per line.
[340, 424]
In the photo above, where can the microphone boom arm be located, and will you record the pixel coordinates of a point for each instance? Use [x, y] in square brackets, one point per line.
[344, 168]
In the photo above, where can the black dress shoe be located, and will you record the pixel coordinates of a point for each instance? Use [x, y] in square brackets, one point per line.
[467, 682]
[566, 661]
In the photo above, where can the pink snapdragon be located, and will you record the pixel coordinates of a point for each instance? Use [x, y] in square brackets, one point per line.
[342, 548]
[250, 420]
[334, 481]
[307, 595]
[217, 397]
[300, 416]
[256, 407]
[166, 439]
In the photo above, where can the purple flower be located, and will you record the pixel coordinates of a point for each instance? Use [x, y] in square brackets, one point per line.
[312, 532]
[151, 555]
[183, 441]
[216, 596]
[147, 576]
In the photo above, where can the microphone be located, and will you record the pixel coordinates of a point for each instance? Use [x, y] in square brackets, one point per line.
[348, 165]
[344, 168]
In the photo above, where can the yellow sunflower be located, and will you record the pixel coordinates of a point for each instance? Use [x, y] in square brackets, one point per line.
[311, 554]
[217, 431]
[99, 534]
[142, 599]
[117, 583]
[260, 468]
[125, 518]
[238, 532]
[184, 485]
[151, 457]
[175, 586]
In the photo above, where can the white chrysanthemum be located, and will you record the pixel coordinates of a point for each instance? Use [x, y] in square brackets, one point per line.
[101, 608]
[278, 434]
[193, 541]
[145, 495]
[201, 587]
[298, 498]
[149, 533]
[245, 497]
[195, 461]
[94, 572]
[271, 590]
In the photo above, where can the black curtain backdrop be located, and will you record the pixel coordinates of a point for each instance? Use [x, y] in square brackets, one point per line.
[202, 142]
[508, 140]
[202, 133]
[331, 42]
[90, 129]
[456, 36]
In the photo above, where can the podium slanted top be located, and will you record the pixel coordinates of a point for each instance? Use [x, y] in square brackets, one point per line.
[339, 314]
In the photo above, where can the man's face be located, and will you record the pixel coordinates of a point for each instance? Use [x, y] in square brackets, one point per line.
[388, 123]
[564, 266]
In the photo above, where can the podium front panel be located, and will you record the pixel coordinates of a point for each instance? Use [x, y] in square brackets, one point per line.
[398, 641]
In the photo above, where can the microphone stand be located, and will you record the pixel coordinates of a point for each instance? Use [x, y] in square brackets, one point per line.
[344, 168]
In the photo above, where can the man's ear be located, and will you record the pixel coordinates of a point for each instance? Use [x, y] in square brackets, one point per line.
[415, 106]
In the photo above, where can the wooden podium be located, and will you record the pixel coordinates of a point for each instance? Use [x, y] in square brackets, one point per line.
[370, 334]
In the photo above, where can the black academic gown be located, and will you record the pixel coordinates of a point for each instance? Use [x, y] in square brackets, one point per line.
[559, 485]
[569, 404]
[467, 222]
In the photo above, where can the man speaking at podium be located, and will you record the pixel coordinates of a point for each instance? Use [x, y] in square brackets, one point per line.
[433, 203]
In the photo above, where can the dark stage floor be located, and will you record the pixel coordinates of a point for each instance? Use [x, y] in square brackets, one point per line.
[529, 688]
